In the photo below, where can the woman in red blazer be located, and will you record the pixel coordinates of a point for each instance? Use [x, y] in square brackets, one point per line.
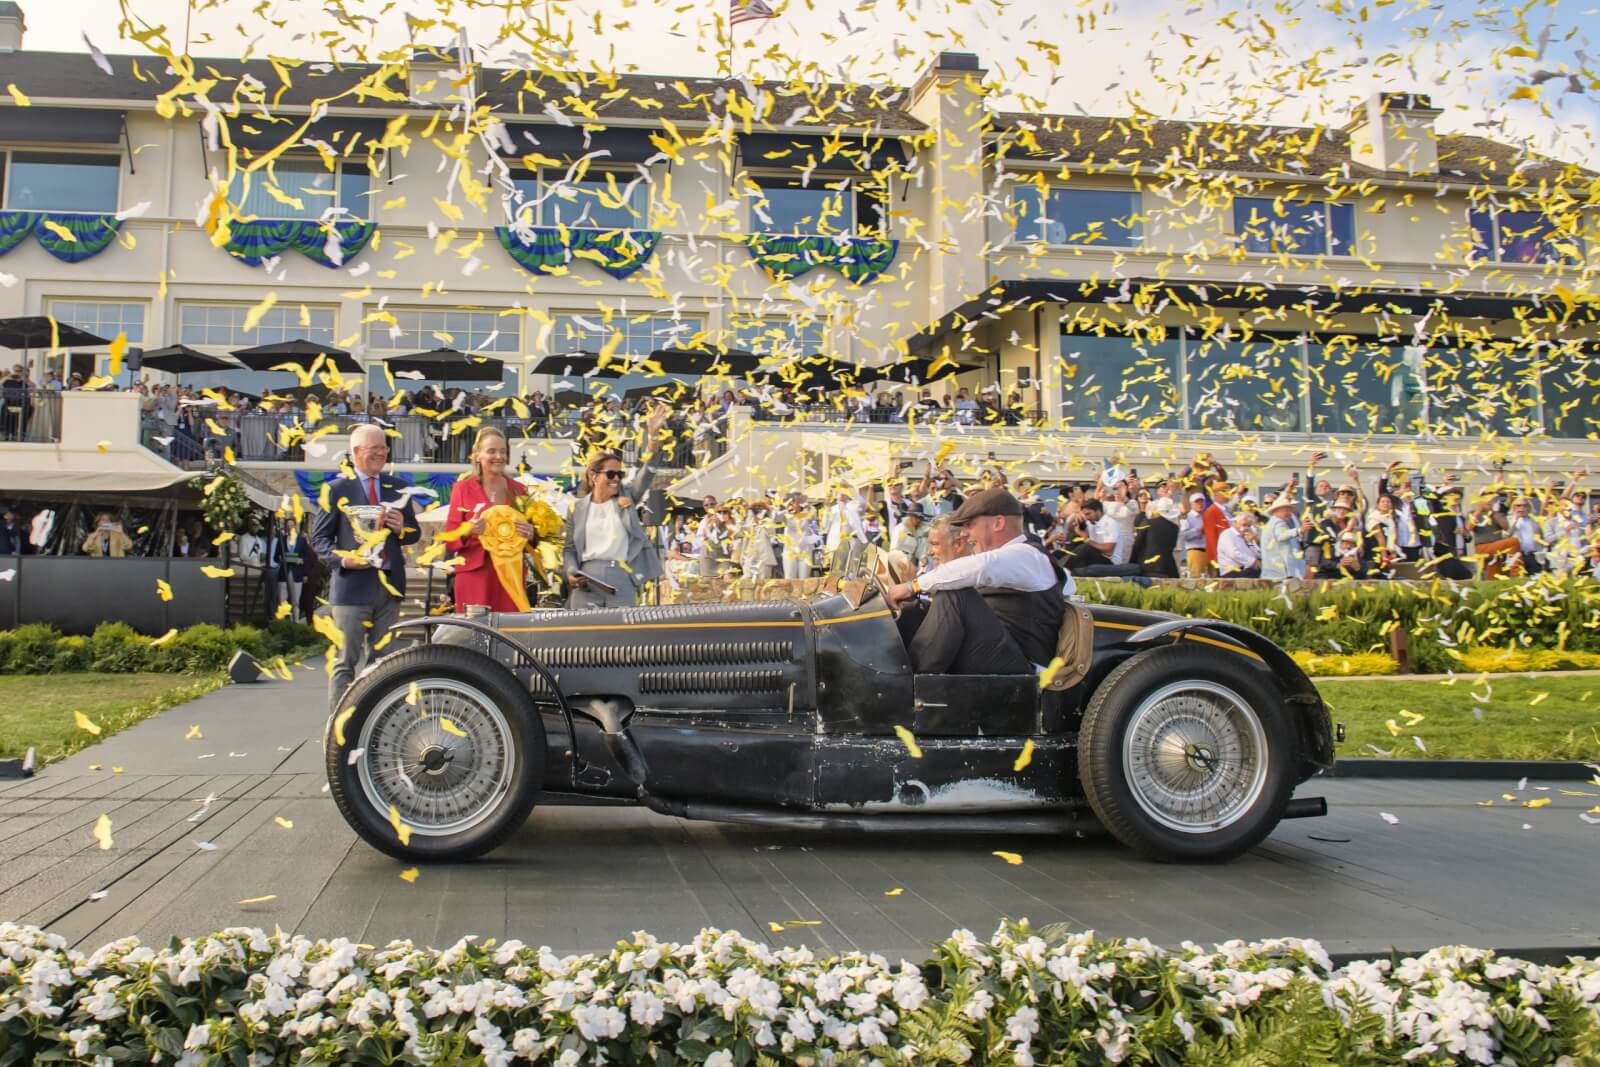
[475, 577]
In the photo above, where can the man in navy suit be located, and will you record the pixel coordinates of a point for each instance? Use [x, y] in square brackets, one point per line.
[365, 599]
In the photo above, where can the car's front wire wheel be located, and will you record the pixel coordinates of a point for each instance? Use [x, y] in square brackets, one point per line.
[437, 754]
[1186, 756]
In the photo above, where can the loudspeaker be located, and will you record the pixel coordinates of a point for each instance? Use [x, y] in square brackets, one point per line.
[244, 667]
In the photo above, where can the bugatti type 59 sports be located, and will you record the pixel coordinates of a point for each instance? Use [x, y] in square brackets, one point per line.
[1185, 738]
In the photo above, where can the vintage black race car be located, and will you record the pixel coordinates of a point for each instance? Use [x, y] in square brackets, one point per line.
[1186, 738]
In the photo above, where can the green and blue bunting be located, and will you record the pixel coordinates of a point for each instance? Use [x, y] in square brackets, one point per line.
[256, 242]
[90, 233]
[545, 249]
[786, 256]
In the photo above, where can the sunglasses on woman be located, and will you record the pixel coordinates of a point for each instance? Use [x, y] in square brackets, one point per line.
[613, 475]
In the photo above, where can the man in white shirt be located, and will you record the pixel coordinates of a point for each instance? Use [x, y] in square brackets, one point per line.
[997, 611]
[1238, 550]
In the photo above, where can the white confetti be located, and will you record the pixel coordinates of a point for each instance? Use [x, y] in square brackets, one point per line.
[100, 894]
[1522, 785]
[1390, 819]
[355, 755]
[98, 56]
[205, 846]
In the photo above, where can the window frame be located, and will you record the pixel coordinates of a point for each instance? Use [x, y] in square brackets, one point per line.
[641, 207]
[1136, 218]
[336, 204]
[553, 347]
[1242, 233]
[7, 182]
[511, 336]
[1548, 256]
[297, 331]
[851, 193]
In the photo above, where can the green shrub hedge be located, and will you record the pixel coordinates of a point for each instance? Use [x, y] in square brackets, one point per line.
[1442, 620]
[117, 648]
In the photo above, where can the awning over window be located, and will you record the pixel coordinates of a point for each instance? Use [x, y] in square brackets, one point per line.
[622, 144]
[856, 154]
[61, 125]
[260, 135]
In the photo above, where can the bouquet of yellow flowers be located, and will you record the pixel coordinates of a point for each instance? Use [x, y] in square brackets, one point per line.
[549, 528]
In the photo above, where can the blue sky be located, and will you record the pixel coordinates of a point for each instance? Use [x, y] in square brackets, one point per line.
[1245, 60]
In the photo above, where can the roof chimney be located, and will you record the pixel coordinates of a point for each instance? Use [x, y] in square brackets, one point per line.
[1394, 132]
[11, 27]
[433, 74]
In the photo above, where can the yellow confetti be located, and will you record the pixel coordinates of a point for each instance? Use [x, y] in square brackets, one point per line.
[451, 728]
[896, 891]
[83, 722]
[1011, 858]
[259, 900]
[1026, 757]
[1542, 802]
[338, 724]
[102, 831]
[287, 824]
[1394, 727]
[216, 572]
[103, 446]
[194, 733]
[283, 610]
[414, 695]
[409, 874]
[776, 928]
[1538, 698]
[252, 318]
[17, 95]
[908, 739]
[402, 831]
[163, 589]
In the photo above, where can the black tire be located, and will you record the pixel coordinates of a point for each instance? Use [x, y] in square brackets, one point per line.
[512, 725]
[1134, 811]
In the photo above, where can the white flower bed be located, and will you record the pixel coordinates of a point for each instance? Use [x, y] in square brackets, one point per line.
[245, 997]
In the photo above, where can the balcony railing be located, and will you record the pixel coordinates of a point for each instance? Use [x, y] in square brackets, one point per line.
[29, 414]
[266, 437]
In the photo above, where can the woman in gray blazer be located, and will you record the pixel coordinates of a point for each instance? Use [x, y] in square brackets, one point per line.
[605, 540]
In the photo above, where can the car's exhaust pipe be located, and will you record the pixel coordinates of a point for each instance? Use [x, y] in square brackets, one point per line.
[1306, 808]
[620, 743]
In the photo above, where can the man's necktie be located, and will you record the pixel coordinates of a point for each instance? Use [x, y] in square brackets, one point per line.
[372, 498]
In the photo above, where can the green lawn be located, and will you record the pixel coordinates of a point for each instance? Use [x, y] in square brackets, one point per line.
[1516, 722]
[36, 709]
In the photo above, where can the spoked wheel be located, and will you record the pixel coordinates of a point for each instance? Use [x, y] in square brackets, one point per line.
[442, 754]
[1185, 756]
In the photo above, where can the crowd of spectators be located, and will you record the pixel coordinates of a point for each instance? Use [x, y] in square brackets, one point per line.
[1190, 523]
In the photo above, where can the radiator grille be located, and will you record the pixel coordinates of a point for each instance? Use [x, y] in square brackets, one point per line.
[709, 653]
[704, 682]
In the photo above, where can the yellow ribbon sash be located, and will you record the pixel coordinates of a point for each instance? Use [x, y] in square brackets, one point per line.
[505, 546]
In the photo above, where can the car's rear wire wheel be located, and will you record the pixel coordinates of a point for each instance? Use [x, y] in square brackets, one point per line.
[1185, 754]
[442, 756]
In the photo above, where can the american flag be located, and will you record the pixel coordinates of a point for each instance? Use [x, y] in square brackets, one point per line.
[748, 11]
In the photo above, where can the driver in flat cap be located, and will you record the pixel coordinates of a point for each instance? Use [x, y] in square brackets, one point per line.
[997, 611]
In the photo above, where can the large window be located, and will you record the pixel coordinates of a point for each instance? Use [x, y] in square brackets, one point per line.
[824, 205]
[222, 325]
[62, 181]
[1121, 382]
[1571, 384]
[780, 338]
[640, 334]
[1294, 227]
[424, 329]
[1070, 216]
[1361, 386]
[1521, 237]
[603, 200]
[1484, 388]
[104, 318]
[1252, 386]
[306, 189]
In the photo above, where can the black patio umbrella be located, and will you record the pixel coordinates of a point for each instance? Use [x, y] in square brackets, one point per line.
[571, 398]
[181, 359]
[693, 361]
[669, 391]
[916, 371]
[265, 357]
[448, 365]
[41, 331]
[580, 365]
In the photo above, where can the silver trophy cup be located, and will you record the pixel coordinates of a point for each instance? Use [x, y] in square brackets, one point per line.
[366, 520]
